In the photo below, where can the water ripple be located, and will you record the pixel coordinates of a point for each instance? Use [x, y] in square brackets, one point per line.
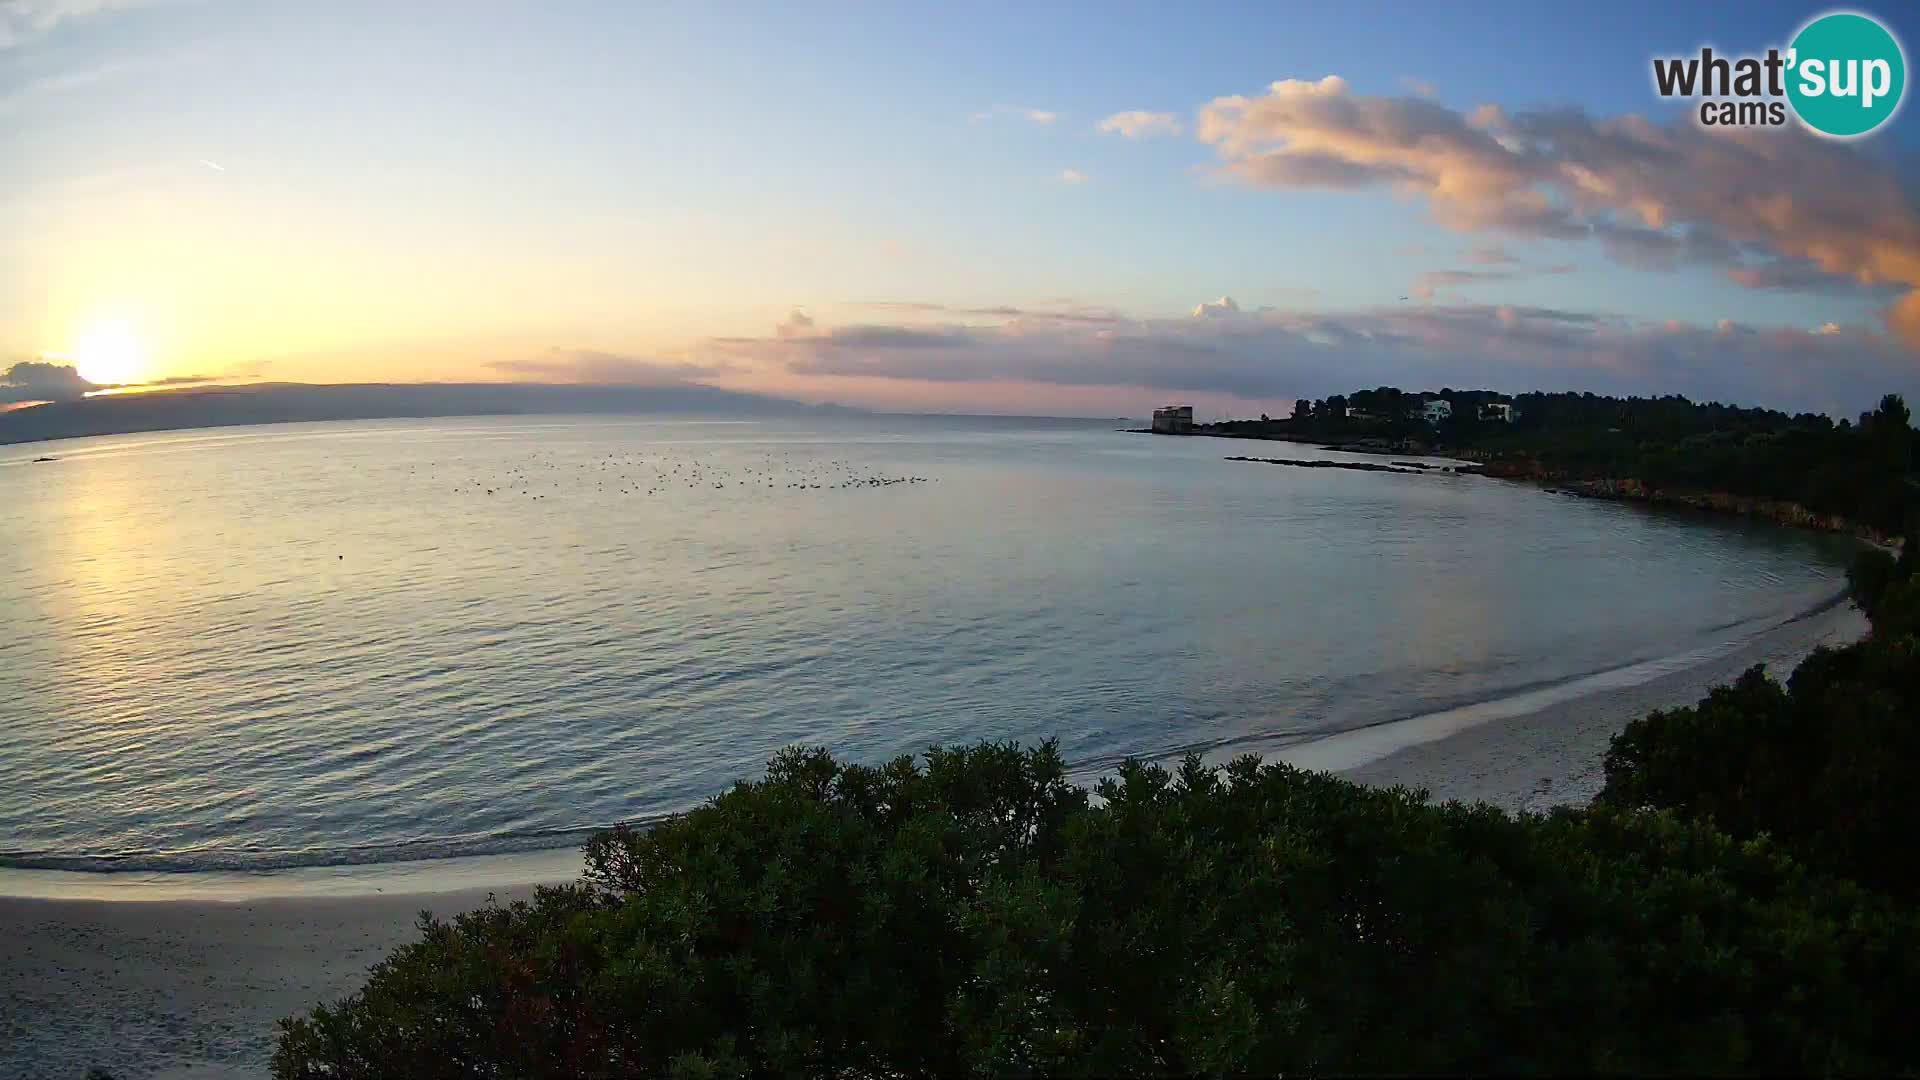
[367, 642]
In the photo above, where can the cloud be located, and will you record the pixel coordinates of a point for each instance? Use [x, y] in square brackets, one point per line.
[1042, 117]
[1074, 314]
[1489, 255]
[1652, 194]
[862, 336]
[1420, 87]
[1431, 282]
[76, 78]
[590, 367]
[1138, 124]
[1073, 176]
[1268, 355]
[796, 324]
[36, 380]
[889, 337]
[1215, 309]
[1668, 249]
[1801, 275]
[24, 21]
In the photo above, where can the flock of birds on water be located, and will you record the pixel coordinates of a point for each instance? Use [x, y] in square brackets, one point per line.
[544, 474]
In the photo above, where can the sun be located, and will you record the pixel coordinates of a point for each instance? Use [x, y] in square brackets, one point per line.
[110, 355]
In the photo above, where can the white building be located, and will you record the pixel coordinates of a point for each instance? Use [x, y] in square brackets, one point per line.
[1502, 411]
[1173, 420]
[1434, 410]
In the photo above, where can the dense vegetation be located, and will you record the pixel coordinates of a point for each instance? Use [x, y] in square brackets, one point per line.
[1820, 765]
[1858, 470]
[981, 915]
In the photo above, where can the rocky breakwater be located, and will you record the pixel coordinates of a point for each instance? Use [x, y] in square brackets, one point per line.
[1412, 468]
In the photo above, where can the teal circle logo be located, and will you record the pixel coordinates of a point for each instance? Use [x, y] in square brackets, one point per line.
[1846, 76]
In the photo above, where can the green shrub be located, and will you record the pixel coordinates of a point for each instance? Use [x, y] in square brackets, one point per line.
[1820, 765]
[981, 915]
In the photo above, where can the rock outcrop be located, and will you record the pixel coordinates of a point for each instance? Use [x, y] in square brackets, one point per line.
[1630, 489]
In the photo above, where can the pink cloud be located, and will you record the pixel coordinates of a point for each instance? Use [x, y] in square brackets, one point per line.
[1140, 124]
[591, 367]
[1432, 282]
[1271, 355]
[1649, 192]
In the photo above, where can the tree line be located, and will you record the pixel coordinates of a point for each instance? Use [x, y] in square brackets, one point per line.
[1860, 470]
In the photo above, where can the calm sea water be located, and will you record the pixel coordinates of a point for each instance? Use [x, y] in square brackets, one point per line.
[319, 644]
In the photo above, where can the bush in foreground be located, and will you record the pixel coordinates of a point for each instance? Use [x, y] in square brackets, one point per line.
[1824, 766]
[981, 915]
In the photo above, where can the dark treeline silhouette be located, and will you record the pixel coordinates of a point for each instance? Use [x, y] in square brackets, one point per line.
[1857, 470]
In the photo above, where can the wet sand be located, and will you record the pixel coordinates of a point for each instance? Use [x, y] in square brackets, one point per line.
[180, 988]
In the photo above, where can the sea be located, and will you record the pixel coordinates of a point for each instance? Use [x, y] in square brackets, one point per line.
[318, 645]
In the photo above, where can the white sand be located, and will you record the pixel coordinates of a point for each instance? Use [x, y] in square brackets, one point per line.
[1552, 756]
[192, 988]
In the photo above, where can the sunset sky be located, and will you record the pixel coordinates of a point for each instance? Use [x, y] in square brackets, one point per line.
[1081, 209]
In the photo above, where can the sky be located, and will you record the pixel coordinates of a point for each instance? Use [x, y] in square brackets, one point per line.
[1022, 208]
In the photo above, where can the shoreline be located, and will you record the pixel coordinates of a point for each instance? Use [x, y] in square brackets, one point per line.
[1552, 756]
[414, 877]
[1373, 449]
[1349, 752]
[181, 976]
[1607, 489]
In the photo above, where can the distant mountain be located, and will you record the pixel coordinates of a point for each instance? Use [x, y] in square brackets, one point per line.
[282, 403]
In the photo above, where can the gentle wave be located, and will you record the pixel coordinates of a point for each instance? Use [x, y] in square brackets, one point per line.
[1517, 700]
[1521, 699]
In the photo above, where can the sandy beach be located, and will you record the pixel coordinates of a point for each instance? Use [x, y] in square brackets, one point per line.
[1552, 757]
[180, 988]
